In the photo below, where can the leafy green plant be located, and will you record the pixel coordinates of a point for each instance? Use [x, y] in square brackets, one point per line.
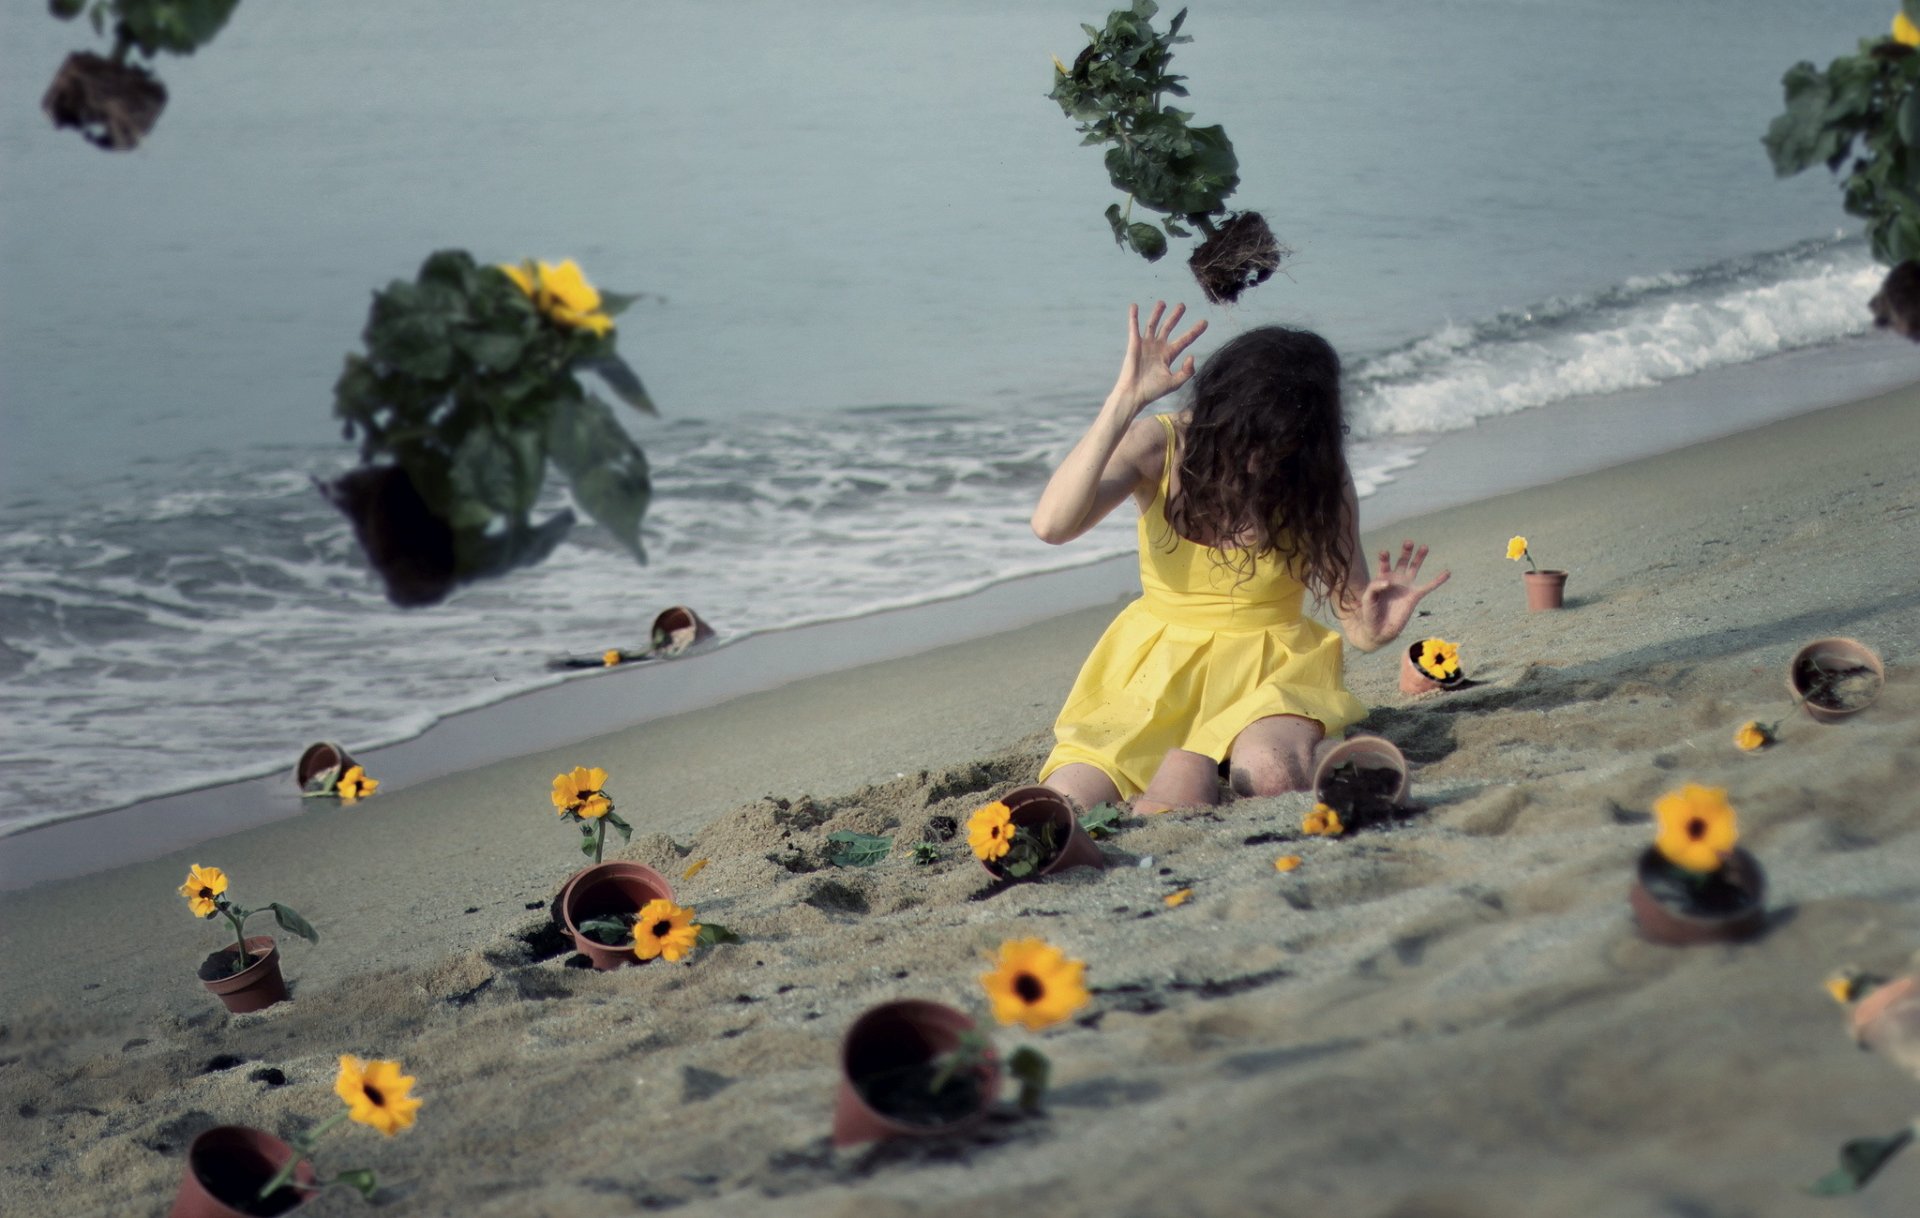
[468, 388]
[111, 102]
[1113, 93]
[1861, 119]
[857, 849]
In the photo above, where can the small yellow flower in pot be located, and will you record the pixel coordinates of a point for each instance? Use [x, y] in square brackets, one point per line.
[665, 930]
[1545, 588]
[245, 977]
[1695, 884]
[1431, 664]
[378, 1095]
[990, 832]
[579, 795]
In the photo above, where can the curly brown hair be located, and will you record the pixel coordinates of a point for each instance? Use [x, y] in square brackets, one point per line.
[1263, 460]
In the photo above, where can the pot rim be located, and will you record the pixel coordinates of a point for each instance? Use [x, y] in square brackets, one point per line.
[857, 1120]
[250, 974]
[1364, 744]
[1837, 645]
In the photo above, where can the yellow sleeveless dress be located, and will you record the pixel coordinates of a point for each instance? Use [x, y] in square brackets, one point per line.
[1203, 653]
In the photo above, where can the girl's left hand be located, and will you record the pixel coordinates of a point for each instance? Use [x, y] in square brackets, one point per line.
[1388, 601]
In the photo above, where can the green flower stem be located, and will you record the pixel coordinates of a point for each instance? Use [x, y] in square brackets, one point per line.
[239, 919]
[302, 1147]
[599, 837]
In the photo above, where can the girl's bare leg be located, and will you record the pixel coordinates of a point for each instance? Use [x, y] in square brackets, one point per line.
[1184, 780]
[1275, 755]
[1084, 784]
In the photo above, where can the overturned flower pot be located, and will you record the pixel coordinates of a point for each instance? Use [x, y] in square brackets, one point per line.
[226, 1168]
[254, 988]
[320, 767]
[608, 890]
[1420, 663]
[1728, 906]
[910, 1069]
[677, 629]
[1046, 818]
[1834, 678]
[1363, 778]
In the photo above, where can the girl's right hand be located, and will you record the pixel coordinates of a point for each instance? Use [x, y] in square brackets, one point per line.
[1148, 372]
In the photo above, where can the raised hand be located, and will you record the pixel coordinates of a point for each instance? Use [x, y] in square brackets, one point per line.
[1388, 600]
[1148, 372]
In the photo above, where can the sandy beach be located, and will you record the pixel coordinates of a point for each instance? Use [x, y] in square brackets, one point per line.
[1451, 1018]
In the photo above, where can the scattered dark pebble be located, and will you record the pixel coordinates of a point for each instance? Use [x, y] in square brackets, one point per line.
[476, 908]
[225, 1061]
[270, 1076]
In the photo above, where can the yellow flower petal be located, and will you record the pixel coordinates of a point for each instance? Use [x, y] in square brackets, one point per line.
[1035, 984]
[520, 276]
[1904, 31]
[1751, 737]
[1323, 821]
[610, 658]
[990, 831]
[1516, 548]
[1286, 862]
[1841, 987]
[202, 886]
[1439, 659]
[566, 287]
[666, 930]
[1697, 827]
[697, 866]
[376, 1094]
[1176, 899]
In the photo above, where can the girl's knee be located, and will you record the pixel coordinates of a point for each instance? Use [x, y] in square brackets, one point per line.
[1274, 775]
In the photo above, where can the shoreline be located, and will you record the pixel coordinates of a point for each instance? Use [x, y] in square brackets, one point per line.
[1499, 456]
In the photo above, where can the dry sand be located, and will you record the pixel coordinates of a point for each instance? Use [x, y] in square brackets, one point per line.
[1451, 1018]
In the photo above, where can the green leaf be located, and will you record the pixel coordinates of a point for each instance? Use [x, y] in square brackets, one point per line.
[1147, 241]
[620, 378]
[1908, 120]
[177, 26]
[293, 923]
[613, 304]
[713, 934]
[1119, 225]
[858, 849]
[361, 1180]
[610, 931]
[487, 470]
[605, 468]
[1032, 1068]
[478, 555]
[1101, 821]
[1912, 9]
[626, 830]
[1793, 140]
[1860, 1160]
[926, 853]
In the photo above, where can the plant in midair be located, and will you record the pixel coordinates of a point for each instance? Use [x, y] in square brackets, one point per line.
[1164, 165]
[111, 102]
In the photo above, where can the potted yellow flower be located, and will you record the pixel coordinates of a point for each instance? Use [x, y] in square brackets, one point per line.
[326, 770]
[1431, 664]
[232, 1170]
[603, 893]
[913, 1068]
[1695, 884]
[1361, 781]
[1544, 587]
[1030, 832]
[246, 977]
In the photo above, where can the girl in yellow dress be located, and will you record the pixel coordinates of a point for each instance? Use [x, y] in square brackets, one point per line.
[1246, 504]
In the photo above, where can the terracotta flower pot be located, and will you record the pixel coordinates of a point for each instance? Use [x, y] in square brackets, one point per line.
[606, 890]
[1887, 1021]
[1367, 753]
[1544, 588]
[890, 1049]
[226, 1168]
[678, 628]
[1036, 807]
[1414, 680]
[1831, 654]
[321, 766]
[1665, 923]
[254, 988]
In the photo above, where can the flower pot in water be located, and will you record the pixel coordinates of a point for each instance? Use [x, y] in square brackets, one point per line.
[1414, 680]
[677, 629]
[320, 767]
[1035, 807]
[1544, 588]
[1364, 753]
[254, 988]
[1834, 678]
[226, 1168]
[1738, 911]
[608, 890]
[888, 1061]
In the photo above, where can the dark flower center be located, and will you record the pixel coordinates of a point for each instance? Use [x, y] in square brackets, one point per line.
[206, 894]
[662, 928]
[373, 1093]
[1696, 829]
[1028, 987]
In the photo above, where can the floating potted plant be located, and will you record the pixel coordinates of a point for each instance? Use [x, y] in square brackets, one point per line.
[1030, 832]
[326, 770]
[1361, 781]
[232, 1170]
[246, 976]
[913, 1068]
[1835, 678]
[1430, 664]
[675, 630]
[1695, 884]
[1544, 588]
[1884, 1016]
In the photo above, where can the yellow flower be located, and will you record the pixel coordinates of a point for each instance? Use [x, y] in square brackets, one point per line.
[1322, 822]
[1439, 659]
[1516, 548]
[1840, 985]
[664, 929]
[698, 866]
[595, 807]
[571, 791]
[1033, 983]
[1176, 899]
[354, 785]
[522, 278]
[990, 831]
[1752, 736]
[1286, 862]
[1904, 31]
[561, 292]
[610, 658]
[202, 886]
[1058, 66]
[1697, 827]
[376, 1093]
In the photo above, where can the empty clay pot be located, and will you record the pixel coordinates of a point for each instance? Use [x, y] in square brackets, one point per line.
[226, 1168]
[255, 987]
[1033, 807]
[1834, 653]
[902, 1036]
[1366, 752]
[678, 628]
[1544, 588]
[603, 890]
[320, 767]
[1662, 923]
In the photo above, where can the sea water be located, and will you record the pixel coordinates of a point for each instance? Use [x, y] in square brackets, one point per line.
[881, 303]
